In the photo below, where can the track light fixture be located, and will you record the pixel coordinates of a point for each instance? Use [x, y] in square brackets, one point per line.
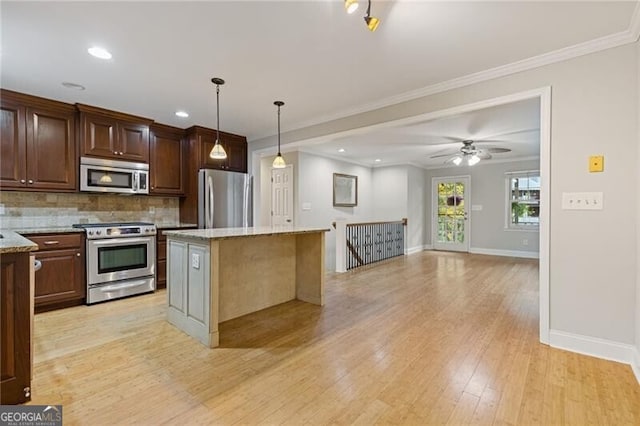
[372, 23]
[218, 152]
[278, 162]
[351, 5]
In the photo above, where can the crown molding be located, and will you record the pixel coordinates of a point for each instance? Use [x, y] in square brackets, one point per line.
[630, 35]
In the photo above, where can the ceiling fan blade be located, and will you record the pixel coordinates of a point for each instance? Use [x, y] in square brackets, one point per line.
[443, 155]
[496, 150]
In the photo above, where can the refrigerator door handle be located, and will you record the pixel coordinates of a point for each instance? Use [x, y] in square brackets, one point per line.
[210, 202]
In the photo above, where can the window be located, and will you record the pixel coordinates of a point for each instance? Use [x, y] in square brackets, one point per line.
[523, 200]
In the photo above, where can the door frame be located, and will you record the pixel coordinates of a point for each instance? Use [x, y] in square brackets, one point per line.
[434, 210]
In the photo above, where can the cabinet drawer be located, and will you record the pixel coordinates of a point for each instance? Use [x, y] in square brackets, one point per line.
[57, 241]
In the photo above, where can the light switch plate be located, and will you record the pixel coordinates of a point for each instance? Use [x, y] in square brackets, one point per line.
[306, 206]
[476, 207]
[582, 201]
[195, 261]
[596, 163]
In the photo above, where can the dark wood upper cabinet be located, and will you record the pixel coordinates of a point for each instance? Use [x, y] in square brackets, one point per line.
[166, 158]
[38, 144]
[113, 135]
[234, 145]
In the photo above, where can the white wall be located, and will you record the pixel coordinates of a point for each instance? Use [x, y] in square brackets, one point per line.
[594, 111]
[637, 354]
[417, 200]
[390, 195]
[315, 188]
[488, 189]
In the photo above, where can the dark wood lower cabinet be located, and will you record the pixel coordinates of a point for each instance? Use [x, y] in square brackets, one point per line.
[15, 329]
[61, 281]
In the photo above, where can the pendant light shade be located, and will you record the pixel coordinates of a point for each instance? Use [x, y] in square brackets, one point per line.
[279, 162]
[351, 5]
[218, 152]
[372, 23]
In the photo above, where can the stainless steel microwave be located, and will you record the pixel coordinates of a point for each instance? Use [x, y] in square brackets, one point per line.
[123, 177]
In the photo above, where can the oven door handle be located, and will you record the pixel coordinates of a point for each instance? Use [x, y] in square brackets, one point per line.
[120, 241]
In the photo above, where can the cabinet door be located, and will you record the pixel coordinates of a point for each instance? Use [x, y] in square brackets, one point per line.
[15, 328]
[51, 150]
[236, 148]
[99, 136]
[13, 154]
[165, 164]
[61, 277]
[133, 142]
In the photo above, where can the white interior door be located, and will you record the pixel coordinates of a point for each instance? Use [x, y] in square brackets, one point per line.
[450, 228]
[282, 196]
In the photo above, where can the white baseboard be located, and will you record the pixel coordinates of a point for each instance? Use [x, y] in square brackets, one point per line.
[635, 363]
[508, 253]
[593, 346]
[417, 249]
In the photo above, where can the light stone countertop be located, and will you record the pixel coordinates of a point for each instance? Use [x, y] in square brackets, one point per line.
[48, 230]
[226, 233]
[11, 242]
[175, 225]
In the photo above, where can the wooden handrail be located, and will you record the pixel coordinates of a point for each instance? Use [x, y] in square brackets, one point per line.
[404, 221]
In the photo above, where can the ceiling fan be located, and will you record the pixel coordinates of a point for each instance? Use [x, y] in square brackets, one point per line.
[470, 153]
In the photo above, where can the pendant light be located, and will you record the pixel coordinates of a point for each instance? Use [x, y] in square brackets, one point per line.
[278, 162]
[350, 5]
[372, 23]
[218, 152]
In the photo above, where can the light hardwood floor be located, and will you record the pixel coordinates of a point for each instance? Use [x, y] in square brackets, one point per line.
[432, 338]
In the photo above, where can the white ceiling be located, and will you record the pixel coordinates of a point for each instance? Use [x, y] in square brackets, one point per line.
[312, 55]
[515, 126]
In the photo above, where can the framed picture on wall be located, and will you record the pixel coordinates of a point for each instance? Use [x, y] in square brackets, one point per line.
[345, 190]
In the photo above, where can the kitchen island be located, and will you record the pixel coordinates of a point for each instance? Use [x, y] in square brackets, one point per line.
[214, 275]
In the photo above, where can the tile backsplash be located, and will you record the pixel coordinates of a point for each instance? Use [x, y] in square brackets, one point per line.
[37, 209]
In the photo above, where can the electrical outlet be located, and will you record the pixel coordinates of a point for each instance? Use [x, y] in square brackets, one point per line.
[582, 201]
[195, 261]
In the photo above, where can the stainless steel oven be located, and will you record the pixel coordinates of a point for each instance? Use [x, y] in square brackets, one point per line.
[121, 260]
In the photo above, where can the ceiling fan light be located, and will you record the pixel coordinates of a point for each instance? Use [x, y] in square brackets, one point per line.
[351, 5]
[372, 23]
[218, 152]
[457, 160]
[278, 162]
[474, 159]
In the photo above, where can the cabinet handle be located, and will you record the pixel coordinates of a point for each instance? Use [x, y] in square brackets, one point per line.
[23, 181]
[78, 254]
[121, 153]
[51, 243]
[30, 181]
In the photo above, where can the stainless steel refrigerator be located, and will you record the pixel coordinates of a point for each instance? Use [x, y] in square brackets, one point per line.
[224, 199]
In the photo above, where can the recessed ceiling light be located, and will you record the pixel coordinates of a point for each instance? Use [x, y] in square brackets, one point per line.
[182, 114]
[99, 52]
[378, 160]
[341, 150]
[73, 86]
